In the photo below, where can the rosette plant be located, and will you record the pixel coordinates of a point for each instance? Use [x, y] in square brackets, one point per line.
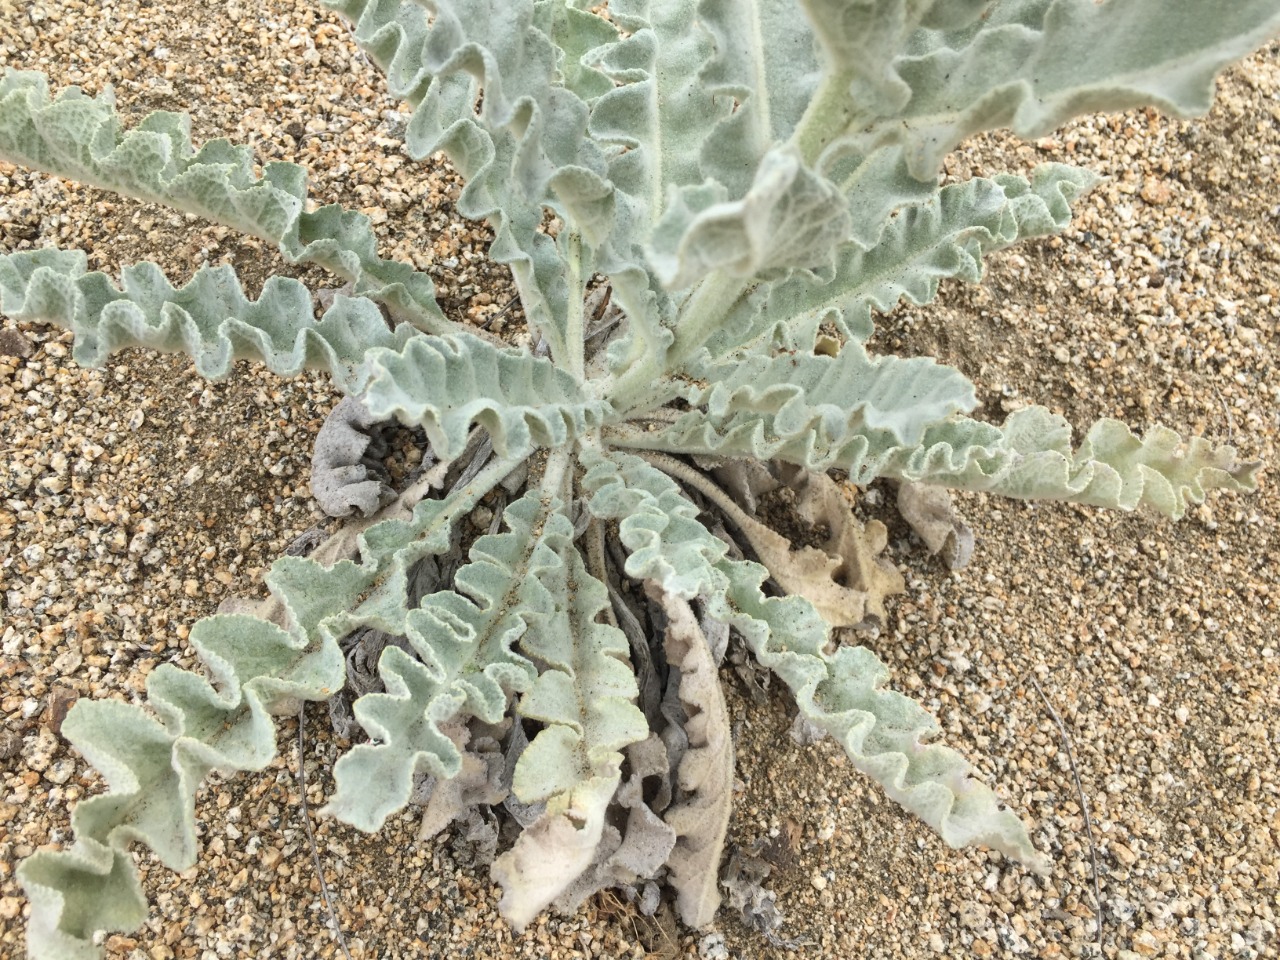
[702, 203]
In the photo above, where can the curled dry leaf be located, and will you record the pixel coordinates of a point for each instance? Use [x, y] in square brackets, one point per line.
[845, 579]
[932, 515]
[704, 781]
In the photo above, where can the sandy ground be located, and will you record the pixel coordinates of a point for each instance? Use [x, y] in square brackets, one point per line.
[1156, 644]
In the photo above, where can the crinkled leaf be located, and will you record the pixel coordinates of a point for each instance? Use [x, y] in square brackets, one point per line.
[466, 664]
[81, 138]
[765, 62]
[923, 245]
[209, 318]
[445, 384]
[585, 696]
[1027, 64]
[932, 515]
[524, 149]
[1030, 457]
[656, 522]
[790, 217]
[883, 733]
[845, 578]
[153, 769]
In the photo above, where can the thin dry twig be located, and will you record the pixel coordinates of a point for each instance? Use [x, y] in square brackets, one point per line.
[1084, 806]
[311, 837]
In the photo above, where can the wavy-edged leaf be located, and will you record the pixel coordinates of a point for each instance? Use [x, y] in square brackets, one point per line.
[586, 696]
[789, 217]
[1029, 64]
[524, 149]
[153, 769]
[209, 318]
[81, 138]
[765, 62]
[466, 664]
[828, 400]
[659, 113]
[884, 733]
[445, 384]
[1030, 457]
[657, 523]
[153, 765]
[923, 245]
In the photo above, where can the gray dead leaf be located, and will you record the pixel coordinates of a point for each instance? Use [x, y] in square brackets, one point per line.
[345, 475]
[804, 731]
[745, 481]
[743, 880]
[478, 782]
[700, 815]
[634, 855]
[932, 515]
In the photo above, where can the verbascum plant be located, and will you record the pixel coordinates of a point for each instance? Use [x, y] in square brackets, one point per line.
[703, 205]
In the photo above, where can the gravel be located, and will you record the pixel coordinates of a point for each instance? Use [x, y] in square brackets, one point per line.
[134, 498]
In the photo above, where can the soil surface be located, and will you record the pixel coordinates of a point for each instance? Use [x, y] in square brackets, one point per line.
[135, 498]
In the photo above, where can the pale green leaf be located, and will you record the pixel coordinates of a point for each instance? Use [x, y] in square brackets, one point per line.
[209, 318]
[445, 384]
[657, 523]
[884, 733]
[80, 137]
[923, 245]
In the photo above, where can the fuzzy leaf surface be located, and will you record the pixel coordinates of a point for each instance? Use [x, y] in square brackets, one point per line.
[1030, 457]
[657, 523]
[446, 384]
[466, 665]
[1030, 65]
[925, 244]
[586, 697]
[209, 318]
[81, 138]
[883, 732]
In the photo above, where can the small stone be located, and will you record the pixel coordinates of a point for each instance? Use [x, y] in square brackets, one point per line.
[60, 771]
[1145, 944]
[1123, 853]
[61, 698]
[42, 750]
[10, 907]
[14, 344]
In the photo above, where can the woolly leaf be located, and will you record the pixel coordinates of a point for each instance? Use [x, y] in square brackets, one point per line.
[923, 245]
[466, 664]
[586, 697]
[1030, 457]
[153, 769]
[830, 398]
[765, 62]
[445, 384]
[1028, 64]
[790, 217]
[882, 732]
[525, 148]
[80, 137]
[209, 318]
[657, 523]
[850, 410]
